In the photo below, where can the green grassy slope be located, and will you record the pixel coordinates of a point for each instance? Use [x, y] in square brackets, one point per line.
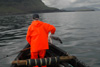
[23, 6]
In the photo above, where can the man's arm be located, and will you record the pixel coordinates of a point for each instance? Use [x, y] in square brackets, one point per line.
[28, 38]
[51, 28]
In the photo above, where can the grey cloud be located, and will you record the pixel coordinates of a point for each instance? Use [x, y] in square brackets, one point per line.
[63, 4]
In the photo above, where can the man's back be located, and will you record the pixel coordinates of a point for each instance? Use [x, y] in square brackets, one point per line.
[38, 32]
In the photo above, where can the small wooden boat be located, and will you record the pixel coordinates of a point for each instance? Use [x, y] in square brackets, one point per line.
[52, 52]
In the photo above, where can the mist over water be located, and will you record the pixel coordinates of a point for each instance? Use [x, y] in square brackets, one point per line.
[64, 4]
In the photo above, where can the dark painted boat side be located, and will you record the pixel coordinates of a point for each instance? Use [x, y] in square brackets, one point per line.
[52, 52]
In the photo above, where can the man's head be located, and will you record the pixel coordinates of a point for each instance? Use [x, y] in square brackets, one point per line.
[35, 16]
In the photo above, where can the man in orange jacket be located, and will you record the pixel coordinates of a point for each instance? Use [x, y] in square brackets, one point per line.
[37, 37]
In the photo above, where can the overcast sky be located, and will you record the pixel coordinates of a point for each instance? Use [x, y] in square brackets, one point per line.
[63, 4]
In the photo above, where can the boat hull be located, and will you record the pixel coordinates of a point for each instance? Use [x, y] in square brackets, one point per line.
[52, 52]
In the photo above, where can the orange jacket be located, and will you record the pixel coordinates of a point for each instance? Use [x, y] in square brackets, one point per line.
[37, 35]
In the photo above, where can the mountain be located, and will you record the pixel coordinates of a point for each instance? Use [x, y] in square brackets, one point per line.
[81, 9]
[23, 6]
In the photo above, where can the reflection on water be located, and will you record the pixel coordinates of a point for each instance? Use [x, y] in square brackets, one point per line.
[13, 27]
[2, 45]
[79, 32]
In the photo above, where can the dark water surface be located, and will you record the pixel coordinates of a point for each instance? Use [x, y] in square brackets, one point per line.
[79, 31]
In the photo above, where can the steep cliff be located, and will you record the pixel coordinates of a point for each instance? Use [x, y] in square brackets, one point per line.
[23, 6]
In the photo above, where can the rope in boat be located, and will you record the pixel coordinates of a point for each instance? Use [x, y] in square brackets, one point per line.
[42, 62]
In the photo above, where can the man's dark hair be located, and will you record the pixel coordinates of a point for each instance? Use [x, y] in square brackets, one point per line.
[35, 16]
